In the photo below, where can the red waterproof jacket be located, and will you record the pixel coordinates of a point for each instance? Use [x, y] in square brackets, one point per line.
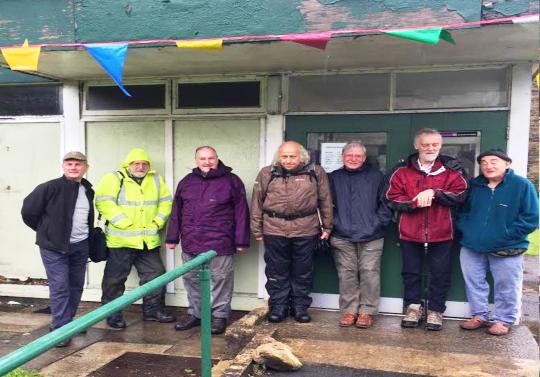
[434, 223]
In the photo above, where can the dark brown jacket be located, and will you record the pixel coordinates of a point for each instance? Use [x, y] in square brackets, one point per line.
[291, 193]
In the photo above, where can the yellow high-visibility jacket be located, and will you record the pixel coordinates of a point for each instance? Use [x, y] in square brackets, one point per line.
[135, 213]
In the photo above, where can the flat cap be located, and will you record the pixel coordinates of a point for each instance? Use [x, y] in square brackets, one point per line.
[74, 155]
[494, 152]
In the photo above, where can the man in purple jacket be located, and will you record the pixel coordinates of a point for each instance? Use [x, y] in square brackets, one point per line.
[209, 212]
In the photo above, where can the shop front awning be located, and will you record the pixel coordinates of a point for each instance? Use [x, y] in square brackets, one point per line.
[486, 44]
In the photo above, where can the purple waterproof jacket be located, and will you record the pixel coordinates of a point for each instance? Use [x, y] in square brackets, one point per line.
[210, 212]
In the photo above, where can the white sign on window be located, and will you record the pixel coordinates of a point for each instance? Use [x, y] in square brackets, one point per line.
[331, 156]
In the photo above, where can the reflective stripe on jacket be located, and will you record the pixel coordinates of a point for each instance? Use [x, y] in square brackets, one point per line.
[135, 213]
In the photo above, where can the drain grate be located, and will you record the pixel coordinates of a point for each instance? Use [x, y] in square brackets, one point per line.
[137, 364]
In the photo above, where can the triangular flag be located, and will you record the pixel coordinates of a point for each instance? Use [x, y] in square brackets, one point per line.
[22, 58]
[430, 36]
[111, 57]
[537, 79]
[317, 40]
[208, 44]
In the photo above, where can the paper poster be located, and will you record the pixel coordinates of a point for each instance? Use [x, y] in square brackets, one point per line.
[331, 156]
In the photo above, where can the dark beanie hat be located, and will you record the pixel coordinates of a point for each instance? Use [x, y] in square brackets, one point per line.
[494, 152]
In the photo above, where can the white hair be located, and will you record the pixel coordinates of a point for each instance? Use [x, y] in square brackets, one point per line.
[304, 154]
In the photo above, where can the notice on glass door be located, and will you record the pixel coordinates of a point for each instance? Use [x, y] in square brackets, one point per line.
[331, 156]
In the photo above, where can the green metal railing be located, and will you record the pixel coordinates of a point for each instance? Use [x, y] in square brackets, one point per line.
[42, 344]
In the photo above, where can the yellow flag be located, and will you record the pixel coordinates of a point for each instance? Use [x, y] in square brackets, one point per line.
[537, 79]
[22, 58]
[208, 44]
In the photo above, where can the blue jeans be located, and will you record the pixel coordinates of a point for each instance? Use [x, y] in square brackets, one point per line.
[65, 273]
[507, 275]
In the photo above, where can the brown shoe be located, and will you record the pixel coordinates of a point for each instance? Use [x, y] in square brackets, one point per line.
[364, 321]
[473, 323]
[347, 320]
[499, 329]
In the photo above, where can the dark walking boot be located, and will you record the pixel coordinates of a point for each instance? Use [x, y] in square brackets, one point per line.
[116, 321]
[300, 314]
[277, 314]
[218, 325]
[159, 316]
[191, 322]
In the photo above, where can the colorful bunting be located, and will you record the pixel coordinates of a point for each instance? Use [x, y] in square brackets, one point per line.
[317, 40]
[430, 36]
[111, 58]
[22, 58]
[208, 44]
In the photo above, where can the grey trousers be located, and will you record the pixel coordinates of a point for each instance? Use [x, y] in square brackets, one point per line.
[359, 266]
[222, 271]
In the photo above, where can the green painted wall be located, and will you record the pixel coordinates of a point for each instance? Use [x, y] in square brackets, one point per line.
[8, 76]
[63, 21]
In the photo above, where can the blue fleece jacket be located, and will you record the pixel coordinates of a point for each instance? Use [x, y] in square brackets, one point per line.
[499, 219]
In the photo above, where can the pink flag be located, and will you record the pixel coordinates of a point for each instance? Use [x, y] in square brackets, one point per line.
[317, 40]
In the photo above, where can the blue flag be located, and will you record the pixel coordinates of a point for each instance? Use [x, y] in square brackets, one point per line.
[111, 57]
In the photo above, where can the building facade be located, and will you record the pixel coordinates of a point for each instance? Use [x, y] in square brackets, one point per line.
[247, 97]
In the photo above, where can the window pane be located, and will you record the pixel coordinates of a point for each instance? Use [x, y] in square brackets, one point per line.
[331, 143]
[219, 94]
[112, 98]
[339, 92]
[30, 100]
[428, 90]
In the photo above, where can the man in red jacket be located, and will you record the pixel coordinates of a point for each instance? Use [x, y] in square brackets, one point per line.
[424, 189]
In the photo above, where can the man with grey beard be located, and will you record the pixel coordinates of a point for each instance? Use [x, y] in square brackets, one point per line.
[424, 189]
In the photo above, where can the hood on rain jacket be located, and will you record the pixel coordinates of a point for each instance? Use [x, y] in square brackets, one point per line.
[134, 213]
[499, 219]
[210, 212]
[302, 191]
[434, 223]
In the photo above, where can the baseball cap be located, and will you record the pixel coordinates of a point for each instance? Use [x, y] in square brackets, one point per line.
[74, 155]
[494, 152]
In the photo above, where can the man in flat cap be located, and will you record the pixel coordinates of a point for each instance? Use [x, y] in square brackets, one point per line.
[61, 212]
[502, 209]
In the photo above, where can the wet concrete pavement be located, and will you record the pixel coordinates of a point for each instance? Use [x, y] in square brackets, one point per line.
[326, 349]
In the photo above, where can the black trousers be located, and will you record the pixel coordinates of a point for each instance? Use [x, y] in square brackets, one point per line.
[289, 270]
[439, 266]
[149, 266]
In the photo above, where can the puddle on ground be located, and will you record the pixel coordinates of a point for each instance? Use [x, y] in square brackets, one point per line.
[333, 371]
[137, 364]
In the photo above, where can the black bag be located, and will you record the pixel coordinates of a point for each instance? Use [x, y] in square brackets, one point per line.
[322, 246]
[98, 246]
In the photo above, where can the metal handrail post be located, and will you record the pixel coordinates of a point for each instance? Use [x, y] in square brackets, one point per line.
[42, 344]
[206, 337]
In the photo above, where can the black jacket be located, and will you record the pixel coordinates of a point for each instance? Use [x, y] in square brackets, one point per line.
[360, 211]
[49, 211]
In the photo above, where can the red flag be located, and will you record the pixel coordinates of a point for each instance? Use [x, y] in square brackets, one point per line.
[317, 40]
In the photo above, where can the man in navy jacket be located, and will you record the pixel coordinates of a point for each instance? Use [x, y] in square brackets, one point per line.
[360, 220]
[61, 211]
[209, 212]
[502, 209]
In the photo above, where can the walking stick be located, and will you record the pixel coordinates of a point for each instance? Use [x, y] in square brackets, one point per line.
[425, 281]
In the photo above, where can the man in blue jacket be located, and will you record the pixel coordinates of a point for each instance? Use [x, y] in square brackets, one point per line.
[360, 220]
[502, 209]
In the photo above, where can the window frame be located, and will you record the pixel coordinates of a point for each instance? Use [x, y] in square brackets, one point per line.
[162, 111]
[220, 110]
[34, 116]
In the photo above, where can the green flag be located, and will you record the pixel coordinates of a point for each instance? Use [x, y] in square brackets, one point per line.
[430, 36]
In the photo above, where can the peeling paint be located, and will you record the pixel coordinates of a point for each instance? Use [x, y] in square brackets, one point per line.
[511, 8]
